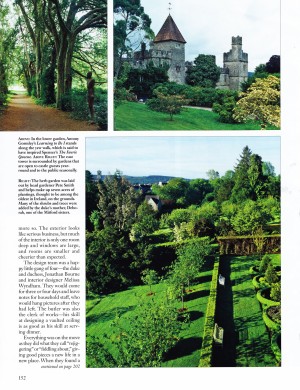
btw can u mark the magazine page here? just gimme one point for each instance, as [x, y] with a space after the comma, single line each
[149, 199]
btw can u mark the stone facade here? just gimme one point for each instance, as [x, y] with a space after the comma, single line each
[235, 68]
[168, 48]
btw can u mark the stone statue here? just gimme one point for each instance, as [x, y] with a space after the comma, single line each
[91, 95]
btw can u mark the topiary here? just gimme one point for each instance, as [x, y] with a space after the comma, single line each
[264, 263]
[271, 275]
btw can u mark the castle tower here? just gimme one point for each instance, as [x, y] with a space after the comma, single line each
[236, 61]
[169, 48]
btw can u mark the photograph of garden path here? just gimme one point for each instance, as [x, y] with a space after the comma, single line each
[174, 68]
[53, 65]
[183, 260]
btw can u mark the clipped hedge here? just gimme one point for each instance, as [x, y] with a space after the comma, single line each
[275, 345]
[272, 325]
[254, 270]
[244, 245]
[207, 344]
[256, 282]
[265, 301]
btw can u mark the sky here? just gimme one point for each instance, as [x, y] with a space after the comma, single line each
[189, 157]
[208, 26]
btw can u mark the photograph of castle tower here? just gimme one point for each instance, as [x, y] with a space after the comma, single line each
[174, 68]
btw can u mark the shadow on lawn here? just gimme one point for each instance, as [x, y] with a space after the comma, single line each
[184, 348]
[203, 279]
[195, 315]
[256, 352]
[108, 315]
[195, 295]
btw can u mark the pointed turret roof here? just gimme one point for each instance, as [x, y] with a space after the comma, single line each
[169, 32]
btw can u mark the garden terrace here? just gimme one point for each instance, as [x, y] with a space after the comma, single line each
[246, 341]
[101, 311]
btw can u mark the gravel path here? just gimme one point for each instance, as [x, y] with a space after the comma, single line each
[23, 114]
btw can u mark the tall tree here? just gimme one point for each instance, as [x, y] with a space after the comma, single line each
[175, 190]
[32, 13]
[118, 202]
[7, 43]
[66, 20]
[204, 72]
[256, 177]
[131, 26]
[273, 65]
[241, 188]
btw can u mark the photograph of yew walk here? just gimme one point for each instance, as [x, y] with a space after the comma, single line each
[183, 264]
[53, 65]
[197, 65]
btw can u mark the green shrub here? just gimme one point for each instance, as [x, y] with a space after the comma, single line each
[275, 293]
[271, 275]
[255, 282]
[101, 114]
[254, 270]
[66, 102]
[168, 104]
[203, 97]
[122, 94]
[266, 301]
[264, 263]
[272, 325]
[3, 98]
[77, 104]
[276, 345]
[225, 109]
[172, 88]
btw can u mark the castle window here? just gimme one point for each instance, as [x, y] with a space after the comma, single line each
[178, 68]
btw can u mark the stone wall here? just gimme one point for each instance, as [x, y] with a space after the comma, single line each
[174, 53]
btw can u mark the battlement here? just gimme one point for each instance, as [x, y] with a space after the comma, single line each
[237, 40]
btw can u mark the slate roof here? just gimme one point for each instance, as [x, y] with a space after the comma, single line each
[169, 32]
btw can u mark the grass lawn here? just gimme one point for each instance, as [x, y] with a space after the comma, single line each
[136, 116]
[186, 353]
[248, 343]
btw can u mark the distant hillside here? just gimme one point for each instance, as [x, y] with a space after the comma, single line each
[151, 179]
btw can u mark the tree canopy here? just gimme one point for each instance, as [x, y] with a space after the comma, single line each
[261, 102]
[204, 72]
[131, 26]
[59, 42]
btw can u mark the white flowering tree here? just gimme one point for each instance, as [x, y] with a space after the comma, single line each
[261, 102]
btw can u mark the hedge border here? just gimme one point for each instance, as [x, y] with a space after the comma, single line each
[264, 301]
[272, 325]
[207, 344]
[254, 270]
[275, 347]
[256, 282]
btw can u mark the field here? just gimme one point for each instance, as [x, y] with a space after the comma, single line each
[136, 116]
[246, 340]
